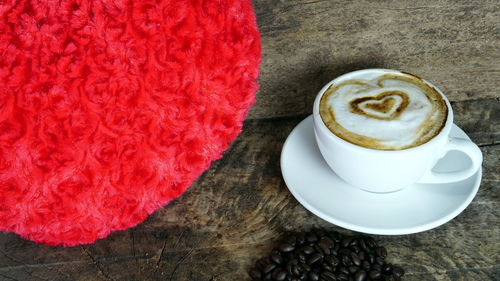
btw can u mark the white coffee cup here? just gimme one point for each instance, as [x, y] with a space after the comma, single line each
[384, 171]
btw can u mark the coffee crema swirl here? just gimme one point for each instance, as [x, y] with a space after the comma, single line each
[383, 110]
[386, 105]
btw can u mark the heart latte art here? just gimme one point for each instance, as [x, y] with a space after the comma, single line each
[383, 110]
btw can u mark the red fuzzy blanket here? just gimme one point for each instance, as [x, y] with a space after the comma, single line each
[109, 109]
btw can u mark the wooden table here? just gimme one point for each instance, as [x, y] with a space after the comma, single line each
[238, 208]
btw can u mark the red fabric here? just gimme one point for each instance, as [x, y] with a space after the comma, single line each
[109, 109]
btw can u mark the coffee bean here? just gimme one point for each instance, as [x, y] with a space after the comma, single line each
[328, 276]
[362, 244]
[335, 261]
[292, 239]
[295, 270]
[381, 252]
[286, 247]
[370, 242]
[255, 273]
[288, 269]
[313, 276]
[365, 265]
[346, 241]
[355, 249]
[387, 268]
[278, 274]
[360, 276]
[398, 271]
[379, 260]
[324, 248]
[302, 258]
[374, 274]
[377, 267]
[345, 252]
[327, 241]
[318, 255]
[327, 267]
[317, 248]
[306, 267]
[361, 255]
[333, 252]
[301, 238]
[344, 270]
[355, 259]
[314, 258]
[307, 250]
[276, 258]
[371, 258]
[354, 242]
[353, 269]
[342, 277]
[336, 236]
[311, 237]
[331, 260]
[269, 267]
[346, 261]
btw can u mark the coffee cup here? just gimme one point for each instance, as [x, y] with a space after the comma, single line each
[382, 130]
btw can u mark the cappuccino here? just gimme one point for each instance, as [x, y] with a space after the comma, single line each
[382, 109]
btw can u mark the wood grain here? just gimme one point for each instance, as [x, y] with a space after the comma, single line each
[235, 212]
[306, 43]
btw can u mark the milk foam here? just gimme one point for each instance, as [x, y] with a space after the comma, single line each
[381, 110]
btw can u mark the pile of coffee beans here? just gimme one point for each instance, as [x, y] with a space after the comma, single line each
[326, 256]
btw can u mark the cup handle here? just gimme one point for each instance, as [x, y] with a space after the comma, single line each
[465, 146]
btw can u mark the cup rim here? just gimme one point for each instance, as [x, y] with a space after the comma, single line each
[318, 121]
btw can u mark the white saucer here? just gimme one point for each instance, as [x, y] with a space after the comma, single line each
[414, 209]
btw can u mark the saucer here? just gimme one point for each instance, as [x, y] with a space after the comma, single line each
[414, 209]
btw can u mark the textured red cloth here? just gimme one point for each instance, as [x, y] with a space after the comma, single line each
[109, 109]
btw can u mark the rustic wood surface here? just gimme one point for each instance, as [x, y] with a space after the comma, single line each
[235, 212]
[306, 43]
